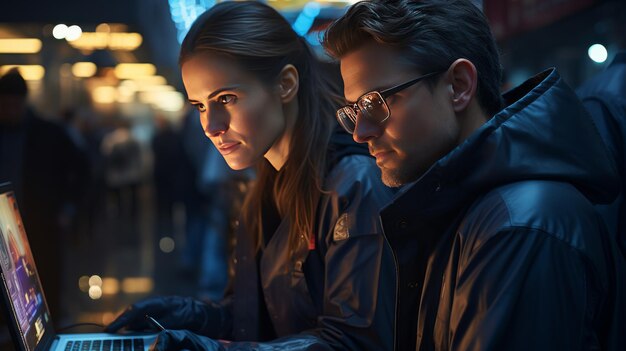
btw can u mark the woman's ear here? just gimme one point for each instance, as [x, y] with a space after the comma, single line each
[463, 83]
[288, 83]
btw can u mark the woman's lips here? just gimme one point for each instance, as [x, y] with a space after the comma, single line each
[227, 148]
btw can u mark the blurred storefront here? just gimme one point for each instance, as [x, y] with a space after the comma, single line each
[579, 37]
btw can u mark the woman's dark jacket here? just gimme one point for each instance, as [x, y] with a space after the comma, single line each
[337, 296]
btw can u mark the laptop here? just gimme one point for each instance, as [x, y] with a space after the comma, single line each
[27, 311]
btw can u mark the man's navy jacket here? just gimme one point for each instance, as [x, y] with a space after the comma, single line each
[498, 244]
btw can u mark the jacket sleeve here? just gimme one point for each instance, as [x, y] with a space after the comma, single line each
[524, 290]
[359, 295]
[218, 318]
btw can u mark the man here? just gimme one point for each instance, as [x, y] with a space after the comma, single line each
[604, 96]
[495, 235]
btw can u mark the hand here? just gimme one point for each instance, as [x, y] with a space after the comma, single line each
[172, 312]
[176, 340]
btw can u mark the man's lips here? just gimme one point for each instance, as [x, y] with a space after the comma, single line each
[380, 155]
[376, 152]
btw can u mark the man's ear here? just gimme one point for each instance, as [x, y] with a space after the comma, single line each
[288, 83]
[463, 80]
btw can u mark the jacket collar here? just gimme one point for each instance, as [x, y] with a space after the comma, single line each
[543, 134]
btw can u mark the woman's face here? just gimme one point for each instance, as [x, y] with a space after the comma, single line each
[242, 116]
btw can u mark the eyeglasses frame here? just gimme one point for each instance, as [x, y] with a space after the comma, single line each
[384, 94]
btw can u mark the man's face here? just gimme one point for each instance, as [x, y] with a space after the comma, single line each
[422, 127]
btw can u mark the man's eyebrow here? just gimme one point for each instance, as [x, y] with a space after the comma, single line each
[378, 89]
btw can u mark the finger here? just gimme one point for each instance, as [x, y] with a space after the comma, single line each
[162, 341]
[121, 321]
[153, 346]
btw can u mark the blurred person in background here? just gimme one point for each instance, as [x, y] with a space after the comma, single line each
[312, 268]
[604, 96]
[49, 173]
[124, 172]
[170, 173]
[79, 228]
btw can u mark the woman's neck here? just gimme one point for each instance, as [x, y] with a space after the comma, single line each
[278, 154]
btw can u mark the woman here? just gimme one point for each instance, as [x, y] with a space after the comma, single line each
[313, 270]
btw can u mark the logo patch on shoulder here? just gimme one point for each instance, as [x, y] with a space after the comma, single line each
[341, 228]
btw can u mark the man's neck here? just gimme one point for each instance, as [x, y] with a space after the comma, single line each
[474, 118]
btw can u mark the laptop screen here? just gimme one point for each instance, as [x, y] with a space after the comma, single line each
[21, 281]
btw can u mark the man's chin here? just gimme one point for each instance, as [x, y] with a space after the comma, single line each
[392, 178]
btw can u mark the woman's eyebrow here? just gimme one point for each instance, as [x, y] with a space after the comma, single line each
[216, 92]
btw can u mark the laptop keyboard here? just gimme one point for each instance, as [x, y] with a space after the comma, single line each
[106, 345]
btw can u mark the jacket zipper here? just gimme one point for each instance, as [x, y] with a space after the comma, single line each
[395, 267]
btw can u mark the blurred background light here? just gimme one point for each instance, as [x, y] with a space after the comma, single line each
[91, 41]
[95, 292]
[104, 94]
[28, 72]
[84, 69]
[95, 280]
[166, 244]
[125, 41]
[83, 283]
[59, 31]
[311, 9]
[171, 101]
[146, 81]
[125, 94]
[137, 285]
[110, 286]
[20, 46]
[305, 19]
[598, 53]
[184, 12]
[134, 70]
[103, 27]
[73, 33]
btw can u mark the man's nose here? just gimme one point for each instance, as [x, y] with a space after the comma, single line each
[365, 130]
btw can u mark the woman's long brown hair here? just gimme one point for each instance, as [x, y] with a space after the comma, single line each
[258, 38]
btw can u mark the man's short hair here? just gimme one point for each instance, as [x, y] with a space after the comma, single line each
[12, 83]
[431, 33]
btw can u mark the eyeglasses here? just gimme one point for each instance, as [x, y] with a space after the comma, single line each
[372, 105]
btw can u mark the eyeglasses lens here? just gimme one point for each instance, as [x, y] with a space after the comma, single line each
[373, 107]
[347, 118]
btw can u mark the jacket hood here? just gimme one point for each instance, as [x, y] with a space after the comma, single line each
[543, 134]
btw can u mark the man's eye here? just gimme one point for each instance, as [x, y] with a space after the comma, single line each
[391, 99]
[227, 99]
[200, 107]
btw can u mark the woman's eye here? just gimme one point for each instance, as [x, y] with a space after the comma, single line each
[200, 107]
[227, 99]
